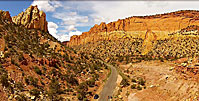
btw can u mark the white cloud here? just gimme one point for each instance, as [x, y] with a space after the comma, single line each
[70, 18]
[52, 28]
[75, 33]
[71, 28]
[68, 28]
[112, 11]
[47, 5]
[66, 37]
[76, 14]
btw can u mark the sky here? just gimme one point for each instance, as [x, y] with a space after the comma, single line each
[67, 18]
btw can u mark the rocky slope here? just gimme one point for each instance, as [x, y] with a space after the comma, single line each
[163, 40]
[138, 26]
[36, 66]
[32, 18]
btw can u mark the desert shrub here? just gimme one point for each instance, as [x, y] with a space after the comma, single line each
[71, 79]
[91, 83]
[56, 65]
[133, 80]
[27, 81]
[80, 97]
[21, 97]
[82, 89]
[133, 86]
[141, 81]
[139, 87]
[20, 58]
[35, 92]
[55, 87]
[96, 76]
[32, 81]
[19, 86]
[44, 68]
[120, 58]
[53, 71]
[5, 49]
[124, 82]
[4, 80]
[6, 55]
[12, 61]
[37, 70]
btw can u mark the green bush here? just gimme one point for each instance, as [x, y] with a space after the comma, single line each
[21, 97]
[20, 58]
[133, 80]
[1, 65]
[44, 68]
[82, 90]
[141, 81]
[19, 85]
[32, 81]
[124, 83]
[139, 87]
[35, 92]
[133, 86]
[80, 97]
[91, 83]
[12, 61]
[6, 55]
[4, 80]
[55, 87]
[37, 70]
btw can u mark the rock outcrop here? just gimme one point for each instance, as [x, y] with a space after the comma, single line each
[138, 26]
[32, 18]
[5, 15]
[147, 44]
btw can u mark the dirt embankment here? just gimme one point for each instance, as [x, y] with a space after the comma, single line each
[162, 83]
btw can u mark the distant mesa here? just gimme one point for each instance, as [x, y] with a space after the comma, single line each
[32, 18]
[137, 26]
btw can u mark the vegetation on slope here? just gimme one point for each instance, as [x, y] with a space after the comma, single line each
[34, 65]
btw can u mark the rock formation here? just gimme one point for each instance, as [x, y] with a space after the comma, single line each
[5, 15]
[32, 18]
[137, 26]
[147, 44]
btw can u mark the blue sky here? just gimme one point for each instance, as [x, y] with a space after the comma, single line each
[67, 18]
[14, 7]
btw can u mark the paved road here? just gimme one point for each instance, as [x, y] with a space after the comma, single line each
[110, 84]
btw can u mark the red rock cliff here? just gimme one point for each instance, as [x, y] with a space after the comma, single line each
[160, 25]
[32, 18]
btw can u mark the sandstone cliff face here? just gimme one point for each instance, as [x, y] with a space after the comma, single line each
[32, 18]
[160, 25]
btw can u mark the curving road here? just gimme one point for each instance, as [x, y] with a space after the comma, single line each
[110, 84]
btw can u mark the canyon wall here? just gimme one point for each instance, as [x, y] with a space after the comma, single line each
[158, 26]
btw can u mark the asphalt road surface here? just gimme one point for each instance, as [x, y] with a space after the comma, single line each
[110, 84]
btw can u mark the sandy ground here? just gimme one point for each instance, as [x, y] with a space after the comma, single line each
[162, 84]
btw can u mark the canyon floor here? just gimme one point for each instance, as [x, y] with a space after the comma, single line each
[163, 83]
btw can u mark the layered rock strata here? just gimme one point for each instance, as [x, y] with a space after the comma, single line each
[159, 26]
